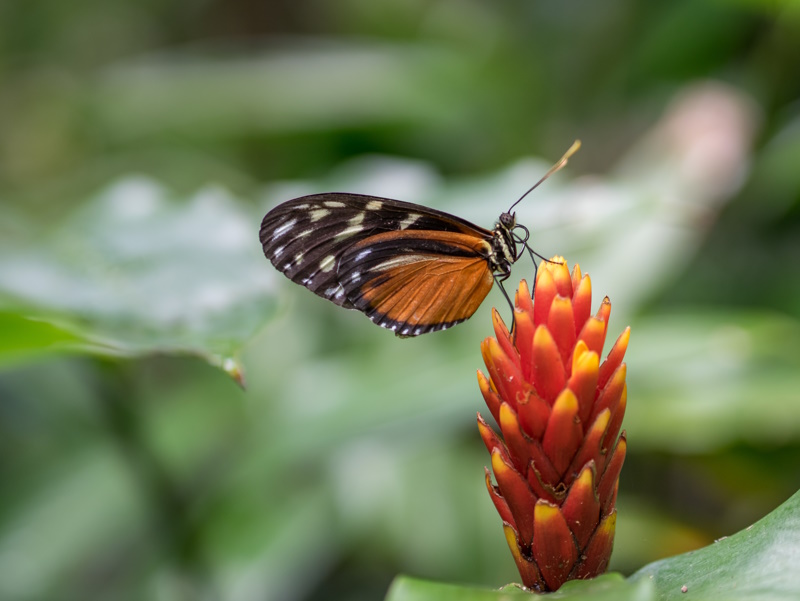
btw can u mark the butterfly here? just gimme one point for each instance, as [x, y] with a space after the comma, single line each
[409, 268]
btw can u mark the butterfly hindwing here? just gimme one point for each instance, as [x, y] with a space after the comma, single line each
[307, 237]
[413, 282]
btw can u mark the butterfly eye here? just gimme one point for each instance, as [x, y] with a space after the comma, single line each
[508, 220]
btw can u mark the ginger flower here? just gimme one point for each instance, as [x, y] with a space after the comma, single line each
[559, 411]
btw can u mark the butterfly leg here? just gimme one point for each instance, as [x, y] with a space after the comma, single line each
[499, 279]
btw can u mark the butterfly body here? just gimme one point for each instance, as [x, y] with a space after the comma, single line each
[409, 268]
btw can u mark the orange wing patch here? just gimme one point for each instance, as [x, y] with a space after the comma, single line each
[414, 282]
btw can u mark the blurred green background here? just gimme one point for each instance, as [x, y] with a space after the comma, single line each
[142, 141]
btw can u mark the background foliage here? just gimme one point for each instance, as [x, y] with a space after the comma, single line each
[142, 141]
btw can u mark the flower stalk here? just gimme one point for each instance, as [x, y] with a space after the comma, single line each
[559, 411]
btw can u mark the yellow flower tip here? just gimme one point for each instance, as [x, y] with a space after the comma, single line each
[508, 418]
[483, 382]
[586, 363]
[566, 403]
[511, 539]
[585, 479]
[601, 421]
[499, 466]
[579, 351]
[544, 511]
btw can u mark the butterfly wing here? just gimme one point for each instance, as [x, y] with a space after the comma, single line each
[307, 237]
[414, 282]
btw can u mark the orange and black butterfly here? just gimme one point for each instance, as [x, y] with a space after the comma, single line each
[410, 269]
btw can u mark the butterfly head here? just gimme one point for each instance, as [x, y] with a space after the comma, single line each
[508, 220]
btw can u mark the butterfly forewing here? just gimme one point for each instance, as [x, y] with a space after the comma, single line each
[414, 282]
[306, 238]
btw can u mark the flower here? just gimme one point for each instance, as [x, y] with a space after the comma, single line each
[559, 411]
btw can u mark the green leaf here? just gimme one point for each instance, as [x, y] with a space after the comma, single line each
[134, 271]
[758, 563]
[609, 586]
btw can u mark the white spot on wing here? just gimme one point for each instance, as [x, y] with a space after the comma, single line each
[301, 206]
[334, 204]
[356, 276]
[298, 258]
[304, 234]
[319, 214]
[357, 219]
[363, 254]
[409, 220]
[278, 251]
[327, 263]
[374, 205]
[348, 232]
[280, 231]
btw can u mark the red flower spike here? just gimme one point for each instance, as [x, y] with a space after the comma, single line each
[593, 334]
[490, 396]
[590, 449]
[616, 420]
[557, 266]
[518, 447]
[547, 368]
[610, 477]
[583, 382]
[503, 337]
[561, 324]
[499, 502]
[564, 432]
[527, 568]
[610, 396]
[534, 413]
[517, 494]
[544, 293]
[576, 277]
[605, 310]
[614, 358]
[598, 551]
[540, 487]
[490, 439]
[582, 302]
[503, 372]
[560, 410]
[524, 300]
[546, 472]
[553, 546]
[581, 508]
[523, 340]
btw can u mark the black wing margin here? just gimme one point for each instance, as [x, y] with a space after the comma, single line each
[305, 238]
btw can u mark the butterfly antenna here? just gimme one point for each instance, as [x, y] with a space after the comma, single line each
[561, 162]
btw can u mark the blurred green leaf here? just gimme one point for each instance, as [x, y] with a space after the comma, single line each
[135, 271]
[610, 587]
[23, 337]
[758, 563]
[705, 379]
